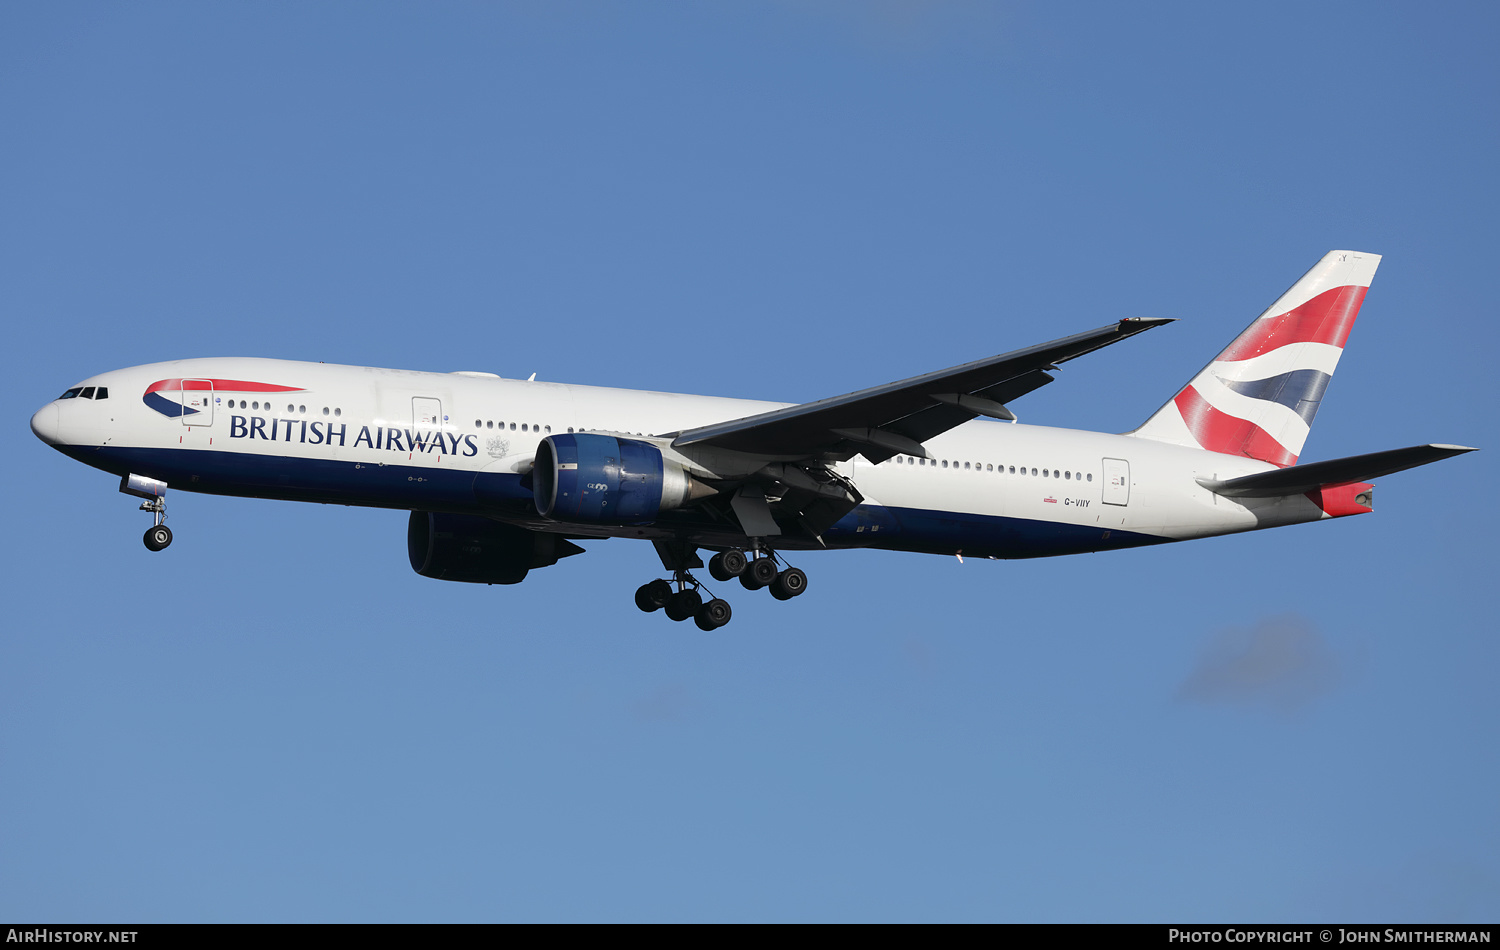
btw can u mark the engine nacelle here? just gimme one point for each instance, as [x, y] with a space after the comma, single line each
[600, 479]
[478, 550]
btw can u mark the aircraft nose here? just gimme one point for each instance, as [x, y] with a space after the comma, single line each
[45, 424]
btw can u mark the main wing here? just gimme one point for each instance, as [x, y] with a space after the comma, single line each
[895, 419]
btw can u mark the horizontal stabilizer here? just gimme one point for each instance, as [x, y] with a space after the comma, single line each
[1356, 468]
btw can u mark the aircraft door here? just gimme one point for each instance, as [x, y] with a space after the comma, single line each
[197, 399]
[426, 413]
[1116, 489]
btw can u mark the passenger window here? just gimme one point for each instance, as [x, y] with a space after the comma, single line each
[1091, 476]
[512, 427]
[1067, 474]
[302, 410]
[989, 468]
[338, 412]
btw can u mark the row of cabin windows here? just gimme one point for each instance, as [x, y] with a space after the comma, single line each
[290, 408]
[525, 427]
[989, 467]
[102, 392]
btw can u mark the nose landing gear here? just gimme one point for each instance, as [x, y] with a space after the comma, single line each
[158, 536]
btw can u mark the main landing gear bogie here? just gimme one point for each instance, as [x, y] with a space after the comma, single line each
[788, 584]
[684, 603]
[760, 572]
[727, 565]
[687, 598]
[653, 596]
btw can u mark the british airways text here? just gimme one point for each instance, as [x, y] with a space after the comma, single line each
[317, 432]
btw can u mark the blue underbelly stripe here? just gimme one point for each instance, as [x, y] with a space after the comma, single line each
[410, 487]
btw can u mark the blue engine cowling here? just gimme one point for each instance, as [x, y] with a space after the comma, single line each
[599, 479]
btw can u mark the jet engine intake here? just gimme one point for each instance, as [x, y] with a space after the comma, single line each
[600, 479]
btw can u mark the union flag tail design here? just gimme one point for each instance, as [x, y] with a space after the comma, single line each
[1259, 396]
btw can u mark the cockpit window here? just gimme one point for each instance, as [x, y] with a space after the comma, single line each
[88, 393]
[72, 393]
[103, 393]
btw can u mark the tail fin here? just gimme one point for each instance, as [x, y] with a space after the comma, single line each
[1259, 396]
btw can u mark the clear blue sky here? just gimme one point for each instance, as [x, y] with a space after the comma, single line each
[277, 720]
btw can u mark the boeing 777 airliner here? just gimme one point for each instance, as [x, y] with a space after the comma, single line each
[502, 476]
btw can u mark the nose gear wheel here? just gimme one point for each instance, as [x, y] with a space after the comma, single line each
[158, 537]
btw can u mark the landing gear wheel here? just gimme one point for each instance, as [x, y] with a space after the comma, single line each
[760, 573]
[684, 604]
[727, 565]
[158, 537]
[713, 615]
[788, 584]
[653, 596]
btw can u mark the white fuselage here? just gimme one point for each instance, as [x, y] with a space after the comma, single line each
[464, 443]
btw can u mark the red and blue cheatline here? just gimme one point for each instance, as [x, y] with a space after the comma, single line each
[176, 410]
